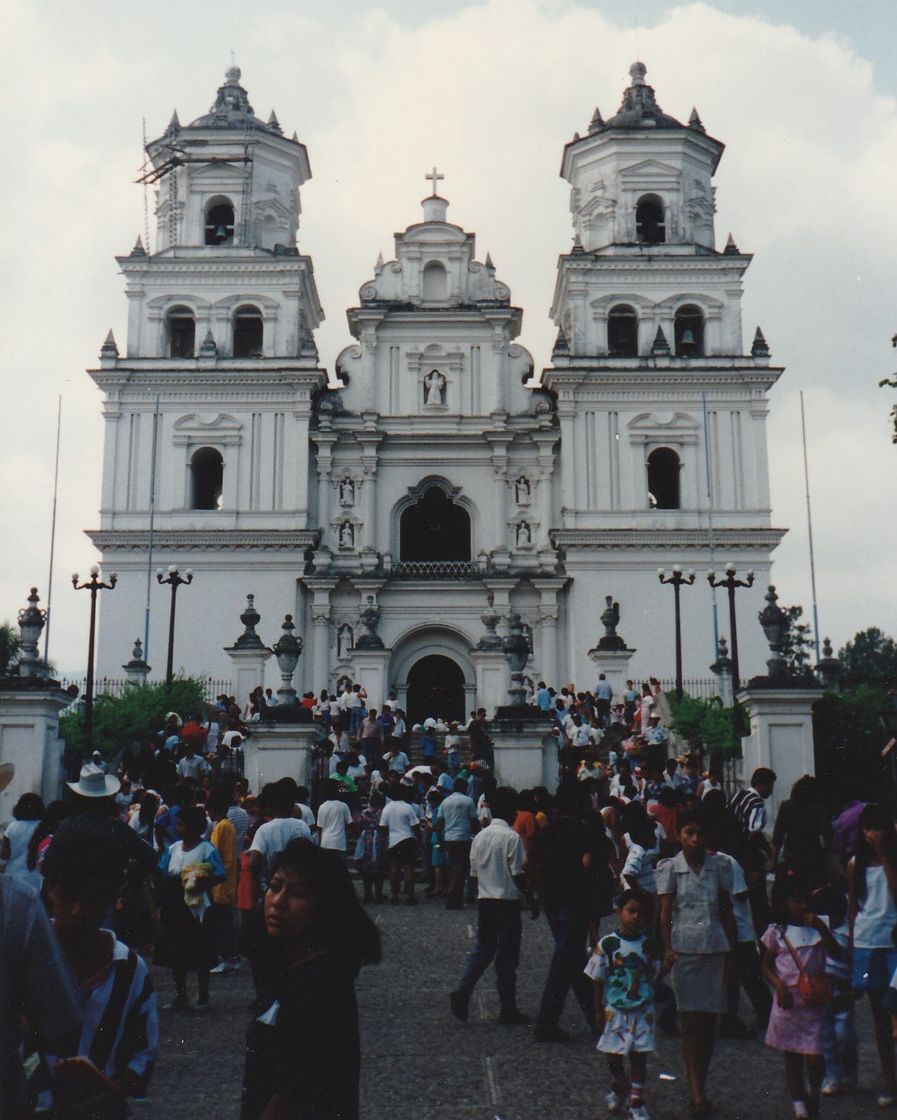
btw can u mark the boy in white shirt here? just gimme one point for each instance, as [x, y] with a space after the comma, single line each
[334, 817]
[400, 824]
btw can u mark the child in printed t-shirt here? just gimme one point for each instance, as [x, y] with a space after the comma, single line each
[839, 1034]
[623, 968]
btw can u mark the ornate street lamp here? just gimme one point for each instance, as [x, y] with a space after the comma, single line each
[730, 583]
[677, 579]
[174, 579]
[93, 585]
[287, 650]
[516, 651]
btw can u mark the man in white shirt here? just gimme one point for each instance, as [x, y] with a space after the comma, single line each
[400, 824]
[192, 765]
[274, 835]
[333, 819]
[497, 859]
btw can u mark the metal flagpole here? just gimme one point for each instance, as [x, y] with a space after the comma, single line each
[710, 524]
[803, 428]
[152, 518]
[53, 530]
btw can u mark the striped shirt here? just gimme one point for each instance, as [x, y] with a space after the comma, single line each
[749, 810]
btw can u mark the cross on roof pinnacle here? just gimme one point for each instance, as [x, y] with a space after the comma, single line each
[434, 176]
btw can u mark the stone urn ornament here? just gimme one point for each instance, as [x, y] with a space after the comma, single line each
[610, 619]
[370, 620]
[516, 651]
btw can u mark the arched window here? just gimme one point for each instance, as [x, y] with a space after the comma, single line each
[663, 478]
[434, 528]
[622, 332]
[181, 332]
[435, 282]
[207, 470]
[650, 227]
[689, 332]
[248, 332]
[219, 222]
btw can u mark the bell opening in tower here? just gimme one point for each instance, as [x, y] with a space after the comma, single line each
[650, 226]
[663, 478]
[435, 528]
[181, 333]
[248, 333]
[622, 332]
[207, 470]
[220, 223]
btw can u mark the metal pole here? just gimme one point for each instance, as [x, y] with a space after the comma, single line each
[169, 669]
[710, 522]
[676, 587]
[736, 679]
[803, 428]
[53, 531]
[152, 518]
[88, 699]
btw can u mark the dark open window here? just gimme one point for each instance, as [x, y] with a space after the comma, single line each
[435, 528]
[689, 332]
[622, 332]
[248, 332]
[207, 470]
[650, 227]
[220, 224]
[181, 333]
[663, 478]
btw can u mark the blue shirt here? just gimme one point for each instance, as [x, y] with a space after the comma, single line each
[543, 700]
[459, 815]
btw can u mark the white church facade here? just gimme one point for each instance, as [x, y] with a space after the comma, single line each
[438, 479]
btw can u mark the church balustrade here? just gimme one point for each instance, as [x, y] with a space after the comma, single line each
[438, 569]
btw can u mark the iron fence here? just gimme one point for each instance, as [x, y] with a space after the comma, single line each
[213, 687]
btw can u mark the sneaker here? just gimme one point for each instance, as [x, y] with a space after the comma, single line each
[514, 1018]
[638, 1112]
[221, 969]
[616, 1102]
[886, 1101]
[460, 1005]
[830, 1087]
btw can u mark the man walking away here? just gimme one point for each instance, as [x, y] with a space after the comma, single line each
[456, 823]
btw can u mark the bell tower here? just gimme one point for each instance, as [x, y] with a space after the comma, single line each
[662, 412]
[207, 411]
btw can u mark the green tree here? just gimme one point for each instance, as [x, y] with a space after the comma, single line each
[870, 656]
[891, 382]
[798, 647]
[9, 647]
[708, 724]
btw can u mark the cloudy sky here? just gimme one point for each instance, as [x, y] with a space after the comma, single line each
[801, 93]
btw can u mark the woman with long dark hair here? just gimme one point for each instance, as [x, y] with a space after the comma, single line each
[303, 1058]
[803, 834]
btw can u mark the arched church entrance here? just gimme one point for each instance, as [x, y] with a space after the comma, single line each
[435, 688]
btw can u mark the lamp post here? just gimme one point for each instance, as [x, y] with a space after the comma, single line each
[677, 579]
[93, 585]
[175, 580]
[730, 583]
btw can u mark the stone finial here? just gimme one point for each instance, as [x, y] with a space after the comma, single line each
[489, 265]
[490, 619]
[109, 349]
[775, 624]
[138, 250]
[274, 123]
[694, 121]
[516, 651]
[660, 347]
[731, 249]
[369, 617]
[174, 125]
[577, 245]
[610, 619]
[597, 122]
[295, 137]
[576, 138]
[31, 624]
[637, 72]
[136, 670]
[209, 348]
[827, 650]
[250, 618]
[378, 267]
[829, 669]
[759, 347]
[287, 650]
[722, 670]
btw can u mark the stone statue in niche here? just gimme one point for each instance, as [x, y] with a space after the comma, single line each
[344, 641]
[346, 492]
[434, 383]
[522, 491]
[347, 535]
[524, 535]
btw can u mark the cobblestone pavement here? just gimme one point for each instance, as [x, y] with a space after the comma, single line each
[419, 1062]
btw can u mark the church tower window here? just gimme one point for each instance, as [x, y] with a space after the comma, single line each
[248, 333]
[689, 332]
[181, 333]
[435, 528]
[650, 226]
[663, 478]
[622, 332]
[207, 470]
[435, 282]
[219, 222]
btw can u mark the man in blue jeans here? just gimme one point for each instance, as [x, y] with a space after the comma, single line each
[497, 859]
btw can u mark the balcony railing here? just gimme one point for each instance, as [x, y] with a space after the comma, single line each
[437, 569]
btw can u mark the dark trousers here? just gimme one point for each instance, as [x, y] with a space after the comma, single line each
[570, 929]
[221, 920]
[602, 711]
[499, 933]
[747, 976]
[459, 866]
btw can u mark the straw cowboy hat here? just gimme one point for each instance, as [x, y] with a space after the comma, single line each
[92, 782]
[7, 773]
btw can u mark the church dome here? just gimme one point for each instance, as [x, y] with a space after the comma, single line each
[232, 109]
[639, 108]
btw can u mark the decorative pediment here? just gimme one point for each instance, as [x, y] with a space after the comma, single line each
[651, 172]
[268, 306]
[161, 304]
[216, 429]
[668, 428]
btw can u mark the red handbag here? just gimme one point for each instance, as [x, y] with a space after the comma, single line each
[815, 991]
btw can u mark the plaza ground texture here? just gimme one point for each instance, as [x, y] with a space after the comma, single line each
[419, 1062]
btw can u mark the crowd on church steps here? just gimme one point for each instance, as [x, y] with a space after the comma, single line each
[667, 897]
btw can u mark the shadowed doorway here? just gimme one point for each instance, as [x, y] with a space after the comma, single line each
[435, 688]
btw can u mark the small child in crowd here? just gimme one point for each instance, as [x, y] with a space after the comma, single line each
[623, 968]
[839, 1034]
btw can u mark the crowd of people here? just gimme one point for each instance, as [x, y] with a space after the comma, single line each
[667, 897]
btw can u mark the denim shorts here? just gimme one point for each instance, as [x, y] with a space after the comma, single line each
[873, 969]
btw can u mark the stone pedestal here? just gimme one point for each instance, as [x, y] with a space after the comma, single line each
[370, 671]
[275, 751]
[781, 736]
[525, 753]
[615, 666]
[249, 670]
[491, 670]
[29, 739]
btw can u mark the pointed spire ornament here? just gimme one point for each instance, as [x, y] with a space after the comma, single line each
[209, 348]
[694, 121]
[295, 137]
[576, 137]
[174, 125]
[138, 250]
[378, 267]
[577, 245]
[489, 263]
[597, 121]
[760, 347]
[274, 123]
[660, 346]
[109, 349]
[731, 249]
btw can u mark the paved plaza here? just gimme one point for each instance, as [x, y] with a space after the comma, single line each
[418, 1062]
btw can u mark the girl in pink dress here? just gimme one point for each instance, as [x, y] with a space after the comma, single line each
[798, 941]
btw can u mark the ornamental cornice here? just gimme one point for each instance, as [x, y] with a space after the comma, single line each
[665, 540]
[207, 540]
[214, 269]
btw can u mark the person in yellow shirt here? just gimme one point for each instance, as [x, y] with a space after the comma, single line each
[224, 896]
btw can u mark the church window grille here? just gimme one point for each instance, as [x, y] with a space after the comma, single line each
[181, 333]
[435, 282]
[663, 478]
[689, 332]
[650, 224]
[622, 332]
[219, 223]
[434, 529]
[207, 471]
[248, 332]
